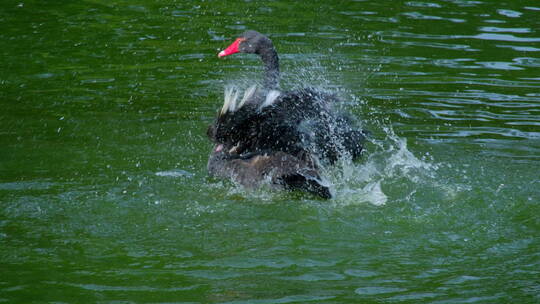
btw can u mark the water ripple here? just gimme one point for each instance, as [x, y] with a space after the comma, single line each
[502, 37]
[318, 276]
[378, 290]
[423, 4]
[481, 36]
[288, 299]
[284, 262]
[494, 29]
[509, 13]
[520, 48]
[420, 16]
[140, 288]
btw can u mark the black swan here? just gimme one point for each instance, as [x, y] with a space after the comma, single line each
[282, 137]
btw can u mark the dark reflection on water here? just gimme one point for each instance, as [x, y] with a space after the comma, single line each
[103, 188]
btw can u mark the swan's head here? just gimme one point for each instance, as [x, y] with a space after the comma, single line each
[251, 42]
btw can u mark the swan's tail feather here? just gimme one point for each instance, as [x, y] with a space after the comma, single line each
[247, 95]
[229, 103]
[271, 97]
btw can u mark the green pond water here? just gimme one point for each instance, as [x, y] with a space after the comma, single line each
[104, 194]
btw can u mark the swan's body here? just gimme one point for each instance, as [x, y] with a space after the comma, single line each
[300, 122]
[278, 136]
[277, 169]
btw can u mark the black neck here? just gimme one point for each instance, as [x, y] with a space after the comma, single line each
[271, 68]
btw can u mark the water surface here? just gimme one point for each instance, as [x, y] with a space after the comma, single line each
[103, 186]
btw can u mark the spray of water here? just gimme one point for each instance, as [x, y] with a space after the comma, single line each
[386, 162]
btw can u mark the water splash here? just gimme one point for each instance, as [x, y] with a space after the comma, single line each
[389, 162]
[174, 173]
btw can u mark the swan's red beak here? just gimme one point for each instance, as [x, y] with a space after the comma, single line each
[231, 49]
